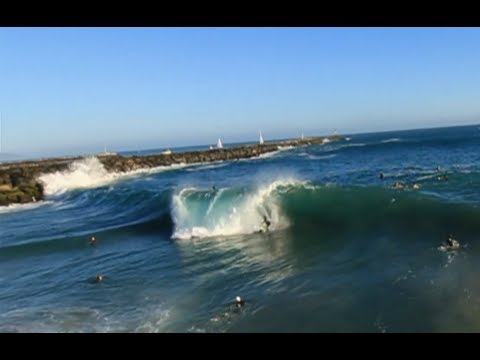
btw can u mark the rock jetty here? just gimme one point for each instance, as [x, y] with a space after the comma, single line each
[19, 180]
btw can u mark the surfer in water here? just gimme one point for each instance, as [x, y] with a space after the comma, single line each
[265, 223]
[451, 243]
[398, 185]
[239, 302]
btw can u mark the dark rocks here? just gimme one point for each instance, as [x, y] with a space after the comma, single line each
[19, 184]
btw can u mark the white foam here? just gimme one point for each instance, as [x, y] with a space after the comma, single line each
[321, 157]
[86, 173]
[90, 173]
[284, 148]
[22, 207]
[208, 167]
[390, 140]
[269, 154]
[242, 217]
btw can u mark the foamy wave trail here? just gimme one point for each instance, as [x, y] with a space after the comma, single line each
[390, 140]
[321, 157]
[22, 207]
[229, 211]
[208, 167]
[85, 173]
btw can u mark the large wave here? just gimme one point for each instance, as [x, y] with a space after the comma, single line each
[229, 211]
[296, 206]
[322, 209]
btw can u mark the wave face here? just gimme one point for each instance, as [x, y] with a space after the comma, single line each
[231, 211]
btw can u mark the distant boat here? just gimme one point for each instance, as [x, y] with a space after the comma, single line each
[219, 144]
[303, 137]
[261, 142]
[167, 152]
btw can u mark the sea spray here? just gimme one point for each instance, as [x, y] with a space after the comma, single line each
[90, 173]
[86, 173]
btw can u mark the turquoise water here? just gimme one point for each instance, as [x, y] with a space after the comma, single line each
[345, 251]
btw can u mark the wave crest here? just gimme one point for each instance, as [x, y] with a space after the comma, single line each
[228, 211]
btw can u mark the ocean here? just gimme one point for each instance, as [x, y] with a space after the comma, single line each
[344, 252]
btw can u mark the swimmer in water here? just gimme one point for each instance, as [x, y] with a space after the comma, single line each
[416, 186]
[239, 302]
[451, 243]
[99, 278]
[381, 176]
[398, 185]
[93, 241]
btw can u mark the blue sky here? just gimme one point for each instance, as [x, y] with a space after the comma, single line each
[72, 90]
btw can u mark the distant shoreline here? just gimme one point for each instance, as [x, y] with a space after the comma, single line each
[19, 180]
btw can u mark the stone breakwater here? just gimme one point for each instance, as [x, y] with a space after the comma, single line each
[19, 180]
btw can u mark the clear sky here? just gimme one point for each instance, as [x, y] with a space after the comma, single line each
[72, 90]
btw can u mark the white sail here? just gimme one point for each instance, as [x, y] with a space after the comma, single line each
[303, 136]
[219, 144]
[261, 139]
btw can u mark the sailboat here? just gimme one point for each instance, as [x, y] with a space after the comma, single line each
[219, 144]
[261, 142]
[303, 138]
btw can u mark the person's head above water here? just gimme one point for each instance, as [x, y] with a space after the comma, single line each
[99, 278]
[239, 302]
